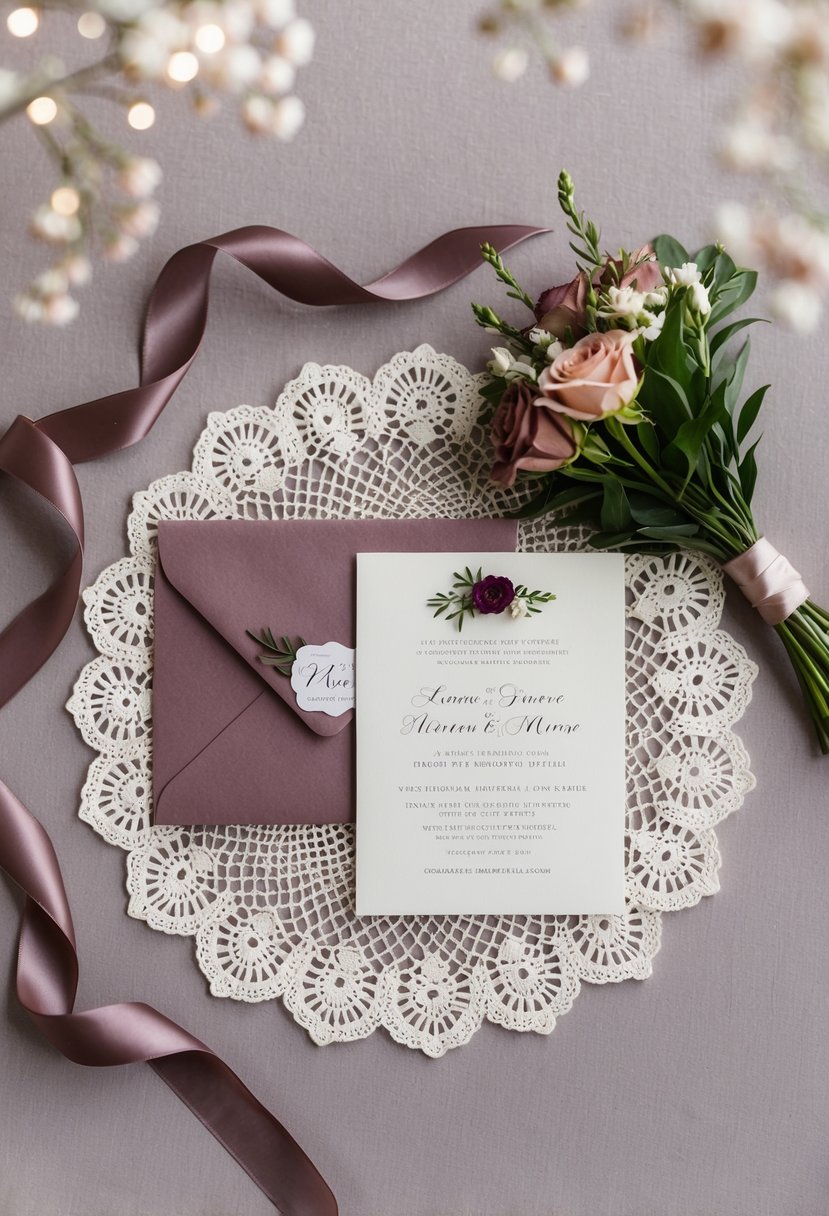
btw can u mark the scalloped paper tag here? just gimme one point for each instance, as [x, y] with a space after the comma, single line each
[323, 678]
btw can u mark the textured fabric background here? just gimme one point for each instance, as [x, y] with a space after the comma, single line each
[701, 1092]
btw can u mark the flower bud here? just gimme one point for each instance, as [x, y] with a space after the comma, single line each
[697, 298]
[501, 361]
[684, 275]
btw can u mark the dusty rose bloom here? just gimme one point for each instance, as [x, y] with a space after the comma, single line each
[528, 436]
[563, 307]
[596, 377]
[647, 274]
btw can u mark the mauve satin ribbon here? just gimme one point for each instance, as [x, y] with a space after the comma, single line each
[768, 580]
[41, 455]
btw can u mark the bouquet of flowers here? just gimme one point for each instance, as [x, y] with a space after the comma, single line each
[622, 400]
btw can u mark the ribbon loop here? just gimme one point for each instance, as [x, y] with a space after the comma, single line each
[35, 460]
[768, 580]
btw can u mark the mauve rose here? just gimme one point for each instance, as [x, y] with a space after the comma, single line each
[596, 377]
[493, 594]
[647, 275]
[563, 307]
[527, 436]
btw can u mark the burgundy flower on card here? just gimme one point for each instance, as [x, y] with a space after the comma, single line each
[493, 594]
[487, 595]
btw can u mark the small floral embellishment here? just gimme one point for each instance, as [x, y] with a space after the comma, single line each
[474, 594]
[493, 593]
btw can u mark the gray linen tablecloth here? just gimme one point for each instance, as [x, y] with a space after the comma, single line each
[701, 1092]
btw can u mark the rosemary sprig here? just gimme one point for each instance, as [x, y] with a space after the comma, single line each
[533, 598]
[282, 655]
[458, 604]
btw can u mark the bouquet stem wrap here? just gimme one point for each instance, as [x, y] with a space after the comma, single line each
[769, 581]
[776, 590]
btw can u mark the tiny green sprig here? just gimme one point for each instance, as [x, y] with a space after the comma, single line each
[489, 320]
[281, 655]
[532, 599]
[458, 603]
[584, 230]
[514, 289]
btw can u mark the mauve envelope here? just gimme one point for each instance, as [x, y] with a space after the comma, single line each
[230, 744]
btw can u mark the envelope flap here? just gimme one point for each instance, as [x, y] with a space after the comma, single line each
[240, 576]
[297, 578]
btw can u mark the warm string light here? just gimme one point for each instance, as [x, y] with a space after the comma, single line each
[22, 22]
[91, 25]
[65, 200]
[182, 67]
[141, 116]
[42, 110]
[209, 39]
[249, 49]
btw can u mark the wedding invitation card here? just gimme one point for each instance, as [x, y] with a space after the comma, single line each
[490, 720]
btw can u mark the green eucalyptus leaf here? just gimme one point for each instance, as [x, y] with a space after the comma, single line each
[648, 442]
[717, 409]
[580, 472]
[679, 531]
[748, 472]
[668, 251]
[668, 351]
[705, 257]
[615, 513]
[609, 540]
[734, 382]
[650, 512]
[494, 391]
[725, 270]
[666, 402]
[749, 411]
[552, 500]
[733, 294]
[718, 340]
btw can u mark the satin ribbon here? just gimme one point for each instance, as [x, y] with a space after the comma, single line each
[41, 455]
[768, 580]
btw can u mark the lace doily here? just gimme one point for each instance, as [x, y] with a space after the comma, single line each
[271, 907]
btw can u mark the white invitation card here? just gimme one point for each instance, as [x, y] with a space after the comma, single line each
[490, 757]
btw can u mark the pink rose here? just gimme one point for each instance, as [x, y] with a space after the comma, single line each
[596, 377]
[526, 436]
[563, 307]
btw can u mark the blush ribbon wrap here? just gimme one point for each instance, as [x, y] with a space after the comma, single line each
[768, 580]
[41, 456]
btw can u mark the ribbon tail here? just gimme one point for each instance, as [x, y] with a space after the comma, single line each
[47, 975]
